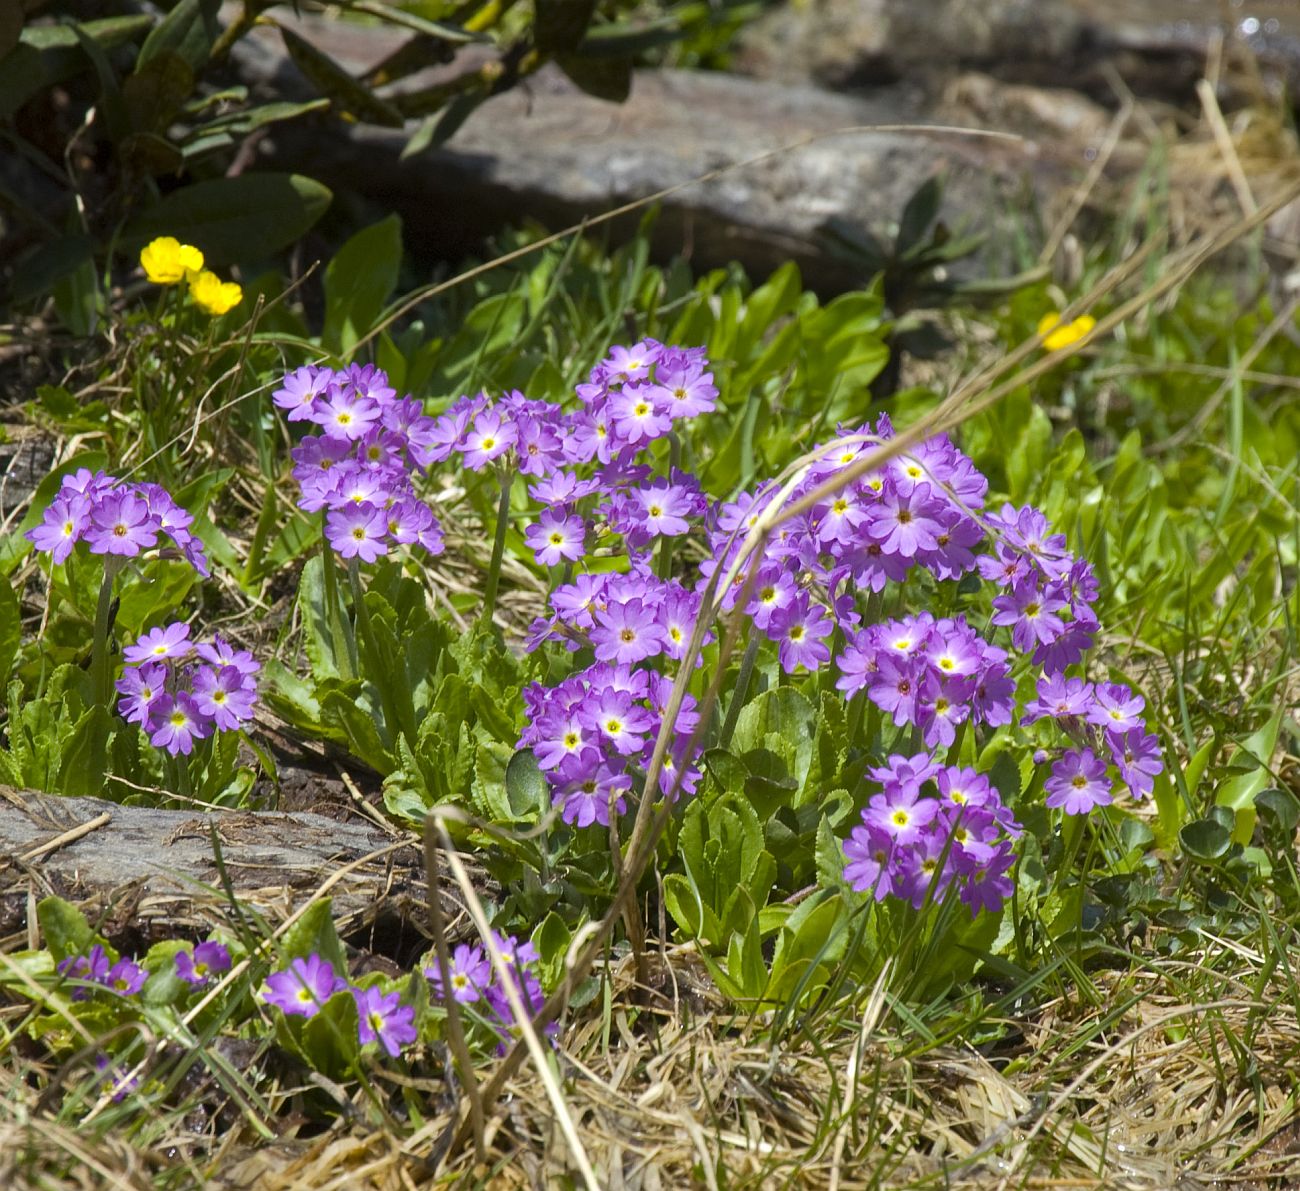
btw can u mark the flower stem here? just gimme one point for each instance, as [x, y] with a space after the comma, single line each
[741, 690]
[99, 670]
[341, 634]
[498, 549]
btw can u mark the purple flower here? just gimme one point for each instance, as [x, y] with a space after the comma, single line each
[867, 853]
[1033, 613]
[1060, 698]
[636, 417]
[1078, 783]
[207, 960]
[618, 719]
[141, 687]
[300, 389]
[303, 987]
[586, 798]
[802, 628]
[175, 723]
[121, 523]
[685, 391]
[626, 633]
[345, 413]
[470, 974]
[221, 694]
[382, 1018]
[1116, 708]
[1137, 756]
[357, 531]
[555, 537]
[906, 525]
[220, 652]
[126, 978]
[92, 967]
[900, 812]
[161, 644]
[490, 438]
[114, 1081]
[63, 524]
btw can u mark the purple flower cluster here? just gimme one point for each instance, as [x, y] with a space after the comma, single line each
[473, 981]
[929, 674]
[932, 827]
[306, 985]
[630, 399]
[919, 512]
[177, 701]
[114, 518]
[124, 977]
[1105, 718]
[597, 727]
[358, 467]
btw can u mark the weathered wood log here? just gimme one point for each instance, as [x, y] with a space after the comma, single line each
[155, 871]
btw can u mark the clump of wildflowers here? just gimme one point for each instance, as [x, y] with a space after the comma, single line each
[123, 976]
[358, 467]
[199, 966]
[179, 691]
[306, 985]
[116, 518]
[474, 982]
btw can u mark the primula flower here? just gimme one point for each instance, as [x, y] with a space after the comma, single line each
[357, 531]
[297, 396]
[114, 1081]
[1078, 783]
[1116, 708]
[801, 629]
[207, 960]
[554, 538]
[126, 978]
[64, 522]
[1059, 336]
[626, 633]
[92, 967]
[345, 413]
[166, 260]
[1137, 756]
[304, 987]
[382, 1018]
[1060, 698]
[121, 523]
[488, 439]
[470, 974]
[161, 644]
[222, 694]
[212, 295]
[140, 688]
[175, 723]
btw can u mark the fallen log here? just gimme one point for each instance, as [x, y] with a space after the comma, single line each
[155, 872]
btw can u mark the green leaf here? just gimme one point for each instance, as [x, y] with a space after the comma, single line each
[347, 94]
[85, 756]
[189, 32]
[605, 78]
[526, 786]
[1238, 793]
[560, 25]
[918, 214]
[314, 933]
[1206, 840]
[65, 928]
[330, 1039]
[11, 631]
[1279, 810]
[234, 219]
[153, 94]
[358, 282]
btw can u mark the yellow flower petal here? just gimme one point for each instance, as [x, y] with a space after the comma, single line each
[1064, 336]
[212, 294]
[166, 260]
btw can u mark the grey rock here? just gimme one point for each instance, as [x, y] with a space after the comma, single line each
[547, 151]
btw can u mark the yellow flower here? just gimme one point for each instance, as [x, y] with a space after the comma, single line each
[166, 260]
[214, 295]
[1064, 336]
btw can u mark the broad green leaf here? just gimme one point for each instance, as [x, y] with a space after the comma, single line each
[65, 928]
[1238, 793]
[1206, 840]
[560, 25]
[347, 94]
[526, 786]
[314, 933]
[358, 282]
[234, 219]
[11, 628]
[605, 78]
